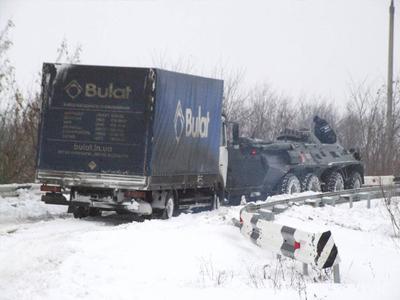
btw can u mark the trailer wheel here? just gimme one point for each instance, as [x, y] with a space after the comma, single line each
[94, 212]
[80, 212]
[170, 208]
[334, 182]
[290, 184]
[310, 183]
[354, 181]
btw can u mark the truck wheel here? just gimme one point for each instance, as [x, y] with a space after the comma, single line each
[170, 208]
[94, 212]
[290, 184]
[310, 183]
[80, 212]
[354, 181]
[334, 182]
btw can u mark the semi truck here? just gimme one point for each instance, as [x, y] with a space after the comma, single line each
[130, 140]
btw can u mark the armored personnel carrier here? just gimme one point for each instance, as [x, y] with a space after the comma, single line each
[297, 161]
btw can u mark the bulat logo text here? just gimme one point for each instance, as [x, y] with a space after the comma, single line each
[92, 90]
[197, 126]
[74, 89]
[193, 126]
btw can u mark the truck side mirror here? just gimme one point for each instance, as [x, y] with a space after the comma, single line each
[235, 133]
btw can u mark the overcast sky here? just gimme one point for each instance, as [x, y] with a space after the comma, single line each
[313, 47]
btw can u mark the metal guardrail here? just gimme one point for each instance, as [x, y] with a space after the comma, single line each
[333, 198]
[12, 190]
[379, 180]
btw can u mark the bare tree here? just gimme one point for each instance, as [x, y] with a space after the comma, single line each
[65, 54]
[19, 119]
[181, 64]
[307, 109]
[235, 96]
[7, 78]
[262, 106]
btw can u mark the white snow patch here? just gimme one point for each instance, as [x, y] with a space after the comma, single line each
[192, 256]
[27, 207]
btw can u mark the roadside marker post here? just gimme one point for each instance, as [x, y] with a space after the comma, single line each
[317, 249]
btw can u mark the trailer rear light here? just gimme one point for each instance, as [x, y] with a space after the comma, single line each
[253, 152]
[135, 194]
[296, 245]
[50, 188]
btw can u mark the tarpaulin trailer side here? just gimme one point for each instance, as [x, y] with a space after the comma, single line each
[186, 129]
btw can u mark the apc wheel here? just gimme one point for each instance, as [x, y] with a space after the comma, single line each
[290, 184]
[354, 181]
[334, 182]
[310, 183]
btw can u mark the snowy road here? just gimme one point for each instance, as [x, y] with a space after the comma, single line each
[46, 254]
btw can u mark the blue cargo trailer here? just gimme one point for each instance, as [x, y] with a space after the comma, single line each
[138, 140]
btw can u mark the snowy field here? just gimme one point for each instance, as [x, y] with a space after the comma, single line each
[46, 254]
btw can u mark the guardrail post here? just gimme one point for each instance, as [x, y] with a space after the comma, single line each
[351, 201]
[336, 274]
[331, 200]
[305, 269]
[266, 214]
[277, 209]
[310, 248]
[326, 200]
[389, 193]
[314, 202]
[369, 201]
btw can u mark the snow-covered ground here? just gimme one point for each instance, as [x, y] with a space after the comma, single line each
[46, 254]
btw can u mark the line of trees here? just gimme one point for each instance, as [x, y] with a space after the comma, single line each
[361, 124]
[261, 111]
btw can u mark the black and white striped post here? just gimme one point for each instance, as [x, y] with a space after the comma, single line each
[317, 249]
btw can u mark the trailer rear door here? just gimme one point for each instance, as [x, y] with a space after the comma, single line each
[93, 119]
